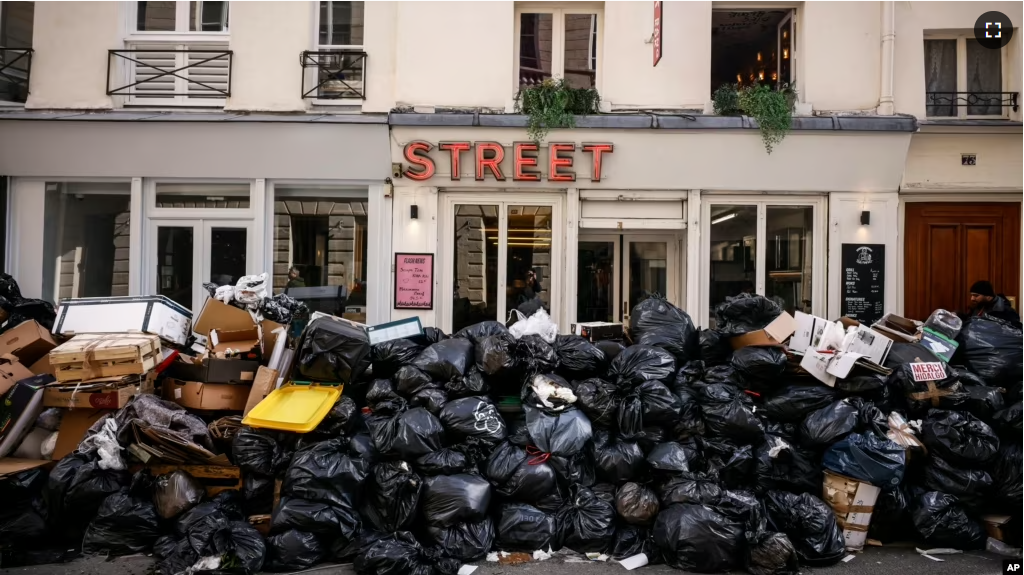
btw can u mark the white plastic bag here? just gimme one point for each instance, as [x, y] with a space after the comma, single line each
[546, 388]
[105, 445]
[537, 324]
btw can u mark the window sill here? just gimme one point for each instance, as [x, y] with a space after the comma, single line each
[179, 38]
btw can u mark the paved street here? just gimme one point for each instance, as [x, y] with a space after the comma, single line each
[874, 561]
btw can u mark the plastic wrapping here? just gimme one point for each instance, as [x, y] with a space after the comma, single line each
[810, 525]
[538, 324]
[868, 457]
[991, 348]
[448, 500]
[728, 412]
[944, 322]
[640, 363]
[941, 521]
[586, 522]
[283, 309]
[332, 351]
[391, 495]
[697, 538]
[658, 323]
[959, 437]
[175, 493]
[745, 313]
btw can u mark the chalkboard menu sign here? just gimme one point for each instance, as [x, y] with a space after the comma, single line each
[863, 296]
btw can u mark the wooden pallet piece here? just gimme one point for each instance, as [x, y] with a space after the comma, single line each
[90, 356]
[215, 479]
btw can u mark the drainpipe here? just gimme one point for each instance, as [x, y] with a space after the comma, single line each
[886, 107]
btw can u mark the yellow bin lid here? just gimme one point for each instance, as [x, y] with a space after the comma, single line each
[296, 408]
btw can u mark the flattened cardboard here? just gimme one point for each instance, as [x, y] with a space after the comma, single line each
[994, 525]
[73, 425]
[206, 396]
[12, 465]
[11, 372]
[775, 333]
[29, 341]
[265, 382]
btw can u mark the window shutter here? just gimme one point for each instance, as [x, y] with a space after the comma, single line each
[208, 79]
[148, 70]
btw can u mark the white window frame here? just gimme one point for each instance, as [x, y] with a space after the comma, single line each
[558, 12]
[181, 33]
[961, 77]
[444, 282]
[15, 71]
[819, 277]
[311, 73]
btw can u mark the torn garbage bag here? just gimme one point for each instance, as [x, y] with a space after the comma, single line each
[942, 522]
[809, 523]
[586, 522]
[636, 504]
[391, 495]
[868, 457]
[658, 323]
[466, 542]
[293, 551]
[333, 351]
[959, 437]
[522, 527]
[448, 500]
[697, 538]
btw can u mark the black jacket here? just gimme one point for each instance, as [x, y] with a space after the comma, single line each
[998, 308]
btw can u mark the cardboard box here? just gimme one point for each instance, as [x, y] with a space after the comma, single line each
[157, 315]
[213, 370]
[775, 333]
[994, 525]
[19, 408]
[236, 343]
[265, 382]
[897, 328]
[42, 366]
[90, 356]
[10, 466]
[73, 425]
[206, 396]
[594, 331]
[221, 316]
[938, 344]
[29, 341]
[11, 372]
[853, 502]
[105, 393]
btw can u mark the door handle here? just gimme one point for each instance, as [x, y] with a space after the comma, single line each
[625, 310]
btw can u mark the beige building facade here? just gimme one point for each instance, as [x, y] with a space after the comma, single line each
[217, 139]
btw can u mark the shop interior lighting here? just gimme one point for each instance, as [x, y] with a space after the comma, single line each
[721, 219]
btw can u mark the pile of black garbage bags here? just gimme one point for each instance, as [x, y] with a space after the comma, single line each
[445, 448]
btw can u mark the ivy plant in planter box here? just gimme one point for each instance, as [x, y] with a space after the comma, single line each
[772, 108]
[554, 104]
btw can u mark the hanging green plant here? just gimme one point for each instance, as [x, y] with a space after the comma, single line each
[772, 108]
[554, 104]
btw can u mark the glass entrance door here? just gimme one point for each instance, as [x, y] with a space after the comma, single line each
[616, 272]
[650, 264]
[185, 254]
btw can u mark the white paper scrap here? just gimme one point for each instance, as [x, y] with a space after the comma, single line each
[634, 562]
[492, 557]
[467, 569]
[849, 558]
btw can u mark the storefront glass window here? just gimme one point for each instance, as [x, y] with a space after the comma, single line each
[733, 257]
[595, 300]
[788, 253]
[648, 270]
[202, 196]
[475, 265]
[528, 255]
[174, 251]
[86, 240]
[320, 248]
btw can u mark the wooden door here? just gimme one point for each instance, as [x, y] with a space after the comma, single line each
[949, 246]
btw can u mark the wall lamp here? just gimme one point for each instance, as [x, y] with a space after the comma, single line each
[414, 212]
[865, 217]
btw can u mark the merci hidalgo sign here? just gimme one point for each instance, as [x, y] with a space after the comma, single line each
[487, 158]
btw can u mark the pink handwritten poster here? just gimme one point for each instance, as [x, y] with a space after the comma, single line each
[414, 281]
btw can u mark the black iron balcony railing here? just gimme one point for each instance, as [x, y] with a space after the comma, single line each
[15, 71]
[977, 103]
[171, 73]
[338, 74]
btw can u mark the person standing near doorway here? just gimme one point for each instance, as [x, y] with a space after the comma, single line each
[985, 301]
[294, 279]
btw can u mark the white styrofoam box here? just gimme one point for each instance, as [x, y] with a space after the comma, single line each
[154, 314]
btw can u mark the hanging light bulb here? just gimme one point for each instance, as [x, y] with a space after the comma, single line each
[758, 56]
[775, 76]
[760, 75]
[785, 53]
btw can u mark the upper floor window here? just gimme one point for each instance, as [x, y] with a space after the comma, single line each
[964, 79]
[558, 43]
[753, 47]
[178, 17]
[16, 21]
[340, 25]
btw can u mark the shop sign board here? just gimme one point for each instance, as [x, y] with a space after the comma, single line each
[657, 31]
[414, 281]
[487, 158]
[863, 293]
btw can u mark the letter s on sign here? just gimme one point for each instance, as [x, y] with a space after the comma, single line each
[416, 154]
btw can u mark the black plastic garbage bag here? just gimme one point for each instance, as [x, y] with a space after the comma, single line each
[959, 437]
[830, 424]
[636, 504]
[640, 363]
[409, 435]
[466, 542]
[390, 356]
[697, 538]
[991, 348]
[325, 472]
[320, 517]
[633, 540]
[473, 383]
[764, 364]
[782, 465]
[446, 360]
[734, 463]
[868, 457]
[391, 495]
[1008, 475]
[616, 460]
[970, 486]
[809, 523]
[381, 392]
[658, 323]
[237, 542]
[690, 373]
[479, 331]
[691, 419]
[410, 380]
[983, 401]
[599, 400]
[23, 515]
[533, 355]
[728, 412]
[447, 500]
[430, 335]
[473, 417]
[690, 487]
[401, 554]
[293, 550]
[176, 492]
[890, 520]
[76, 489]
[771, 553]
[564, 434]
[941, 521]
[517, 475]
[672, 457]
[259, 452]
[715, 348]
[793, 403]
[342, 419]
[495, 354]
[861, 380]
[946, 393]
[124, 524]
[659, 404]
[1008, 421]
[522, 527]
[283, 309]
[611, 348]
[586, 523]
[459, 458]
[431, 399]
[577, 357]
[745, 313]
[333, 351]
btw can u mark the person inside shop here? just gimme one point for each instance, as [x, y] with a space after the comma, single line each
[985, 301]
[295, 280]
[528, 300]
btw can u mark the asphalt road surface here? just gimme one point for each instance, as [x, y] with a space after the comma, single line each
[873, 561]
